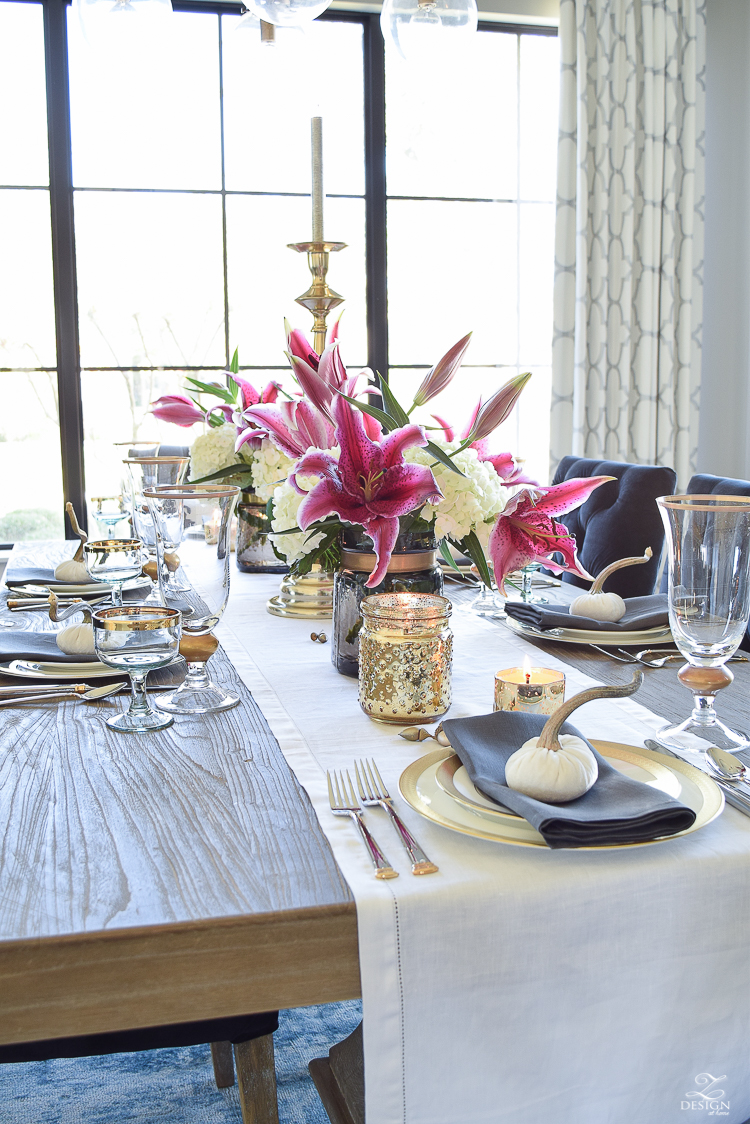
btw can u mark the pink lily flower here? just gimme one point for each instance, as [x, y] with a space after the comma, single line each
[526, 532]
[298, 345]
[177, 409]
[446, 427]
[370, 484]
[294, 427]
[504, 465]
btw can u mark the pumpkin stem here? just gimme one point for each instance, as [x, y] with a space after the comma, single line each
[602, 577]
[548, 739]
[78, 556]
[77, 606]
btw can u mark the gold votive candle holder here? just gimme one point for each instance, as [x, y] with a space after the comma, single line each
[533, 690]
[405, 657]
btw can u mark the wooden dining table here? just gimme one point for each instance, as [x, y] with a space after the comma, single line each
[158, 878]
[182, 875]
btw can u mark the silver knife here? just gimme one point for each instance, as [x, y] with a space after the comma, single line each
[732, 794]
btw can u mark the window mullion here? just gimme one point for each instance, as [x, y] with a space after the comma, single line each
[375, 197]
[63, 256]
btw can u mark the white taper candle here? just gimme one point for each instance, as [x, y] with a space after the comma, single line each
[317, 178]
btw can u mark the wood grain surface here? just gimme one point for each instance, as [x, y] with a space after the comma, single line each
[159, 838]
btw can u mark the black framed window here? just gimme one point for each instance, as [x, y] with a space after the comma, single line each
[178, 178]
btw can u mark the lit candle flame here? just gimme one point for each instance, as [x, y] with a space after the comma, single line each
[527, 668]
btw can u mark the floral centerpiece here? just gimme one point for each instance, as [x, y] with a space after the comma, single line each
[359, 466]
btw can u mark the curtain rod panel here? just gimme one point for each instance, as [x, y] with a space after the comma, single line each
[629, 236]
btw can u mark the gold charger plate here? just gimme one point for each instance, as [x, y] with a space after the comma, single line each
[421, 789]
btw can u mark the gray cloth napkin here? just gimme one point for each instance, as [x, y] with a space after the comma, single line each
[40, 646]
[26, 575]
[640, 613]
[616, 811]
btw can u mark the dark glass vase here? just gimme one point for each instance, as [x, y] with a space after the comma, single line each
[413, 568]
[254, 552]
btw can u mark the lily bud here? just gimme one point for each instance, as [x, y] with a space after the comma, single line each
[441, 374]
[497, 408]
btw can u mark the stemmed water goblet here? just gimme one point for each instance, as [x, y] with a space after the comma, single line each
[137, 639]
[109, 511]
[113, 561]
[204, 513]
[708, 537]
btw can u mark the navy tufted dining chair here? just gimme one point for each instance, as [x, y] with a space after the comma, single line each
[248, 1037]
[619, 519]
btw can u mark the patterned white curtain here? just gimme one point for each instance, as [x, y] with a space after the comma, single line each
[629, 240]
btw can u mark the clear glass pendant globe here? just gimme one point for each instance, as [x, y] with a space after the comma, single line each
[287, 13]
[415, 30]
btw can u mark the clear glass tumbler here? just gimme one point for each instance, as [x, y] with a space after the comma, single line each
[114, 562]
[709, 606]
[204, 511]
[151, 472]
[137, 639]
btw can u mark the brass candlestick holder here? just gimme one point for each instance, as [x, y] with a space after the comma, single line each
[320, 298]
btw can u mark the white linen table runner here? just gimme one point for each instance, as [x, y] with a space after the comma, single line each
[518, 985]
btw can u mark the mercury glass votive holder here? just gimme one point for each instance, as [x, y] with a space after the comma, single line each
[405, 657]
[532, 690]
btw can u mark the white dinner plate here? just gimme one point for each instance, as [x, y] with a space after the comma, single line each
[39, 589]
[647, 637]
[33, 669]
[420, 788]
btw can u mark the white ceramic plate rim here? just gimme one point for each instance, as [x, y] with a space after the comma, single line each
[660, 635]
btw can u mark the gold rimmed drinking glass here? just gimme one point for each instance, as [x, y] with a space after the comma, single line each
[709, 605]
[204, 513]
[137, 639]
[114, 561]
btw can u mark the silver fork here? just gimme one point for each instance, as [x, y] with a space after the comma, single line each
[343, 805]
[373, 792]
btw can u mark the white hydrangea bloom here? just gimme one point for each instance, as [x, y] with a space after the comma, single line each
[471, 502]
[286, 505]
[213, 450]
[270, 466]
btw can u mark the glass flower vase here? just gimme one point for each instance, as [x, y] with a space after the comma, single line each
[413, 568]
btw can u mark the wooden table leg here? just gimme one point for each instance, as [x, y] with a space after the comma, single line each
[340, 1080]
[221, 1056]
[256, 1080]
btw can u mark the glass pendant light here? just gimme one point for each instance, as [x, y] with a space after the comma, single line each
[115, 19]
[251, 23]
[287, 13]
[424, 28]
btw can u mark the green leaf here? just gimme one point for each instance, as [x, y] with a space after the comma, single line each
[319, 525]
[440, 455]
[471, 545]
[240, 470]
[445, 550]
[385, 420]
[234, 366]
[220, 391]
[306, 563]
[393, 407]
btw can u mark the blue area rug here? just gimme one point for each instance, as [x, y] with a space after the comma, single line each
[172, 1086]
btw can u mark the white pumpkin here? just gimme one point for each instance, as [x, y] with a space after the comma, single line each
[601, 606]
[598, 606]
[72, 571]
[77, 640]
[552, 775]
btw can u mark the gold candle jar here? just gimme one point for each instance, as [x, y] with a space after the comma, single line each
[405, 657]
[533, 690]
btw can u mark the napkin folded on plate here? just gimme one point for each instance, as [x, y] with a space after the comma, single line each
[640, 613]
[39, 646]
[37, 575]
[616, 811]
